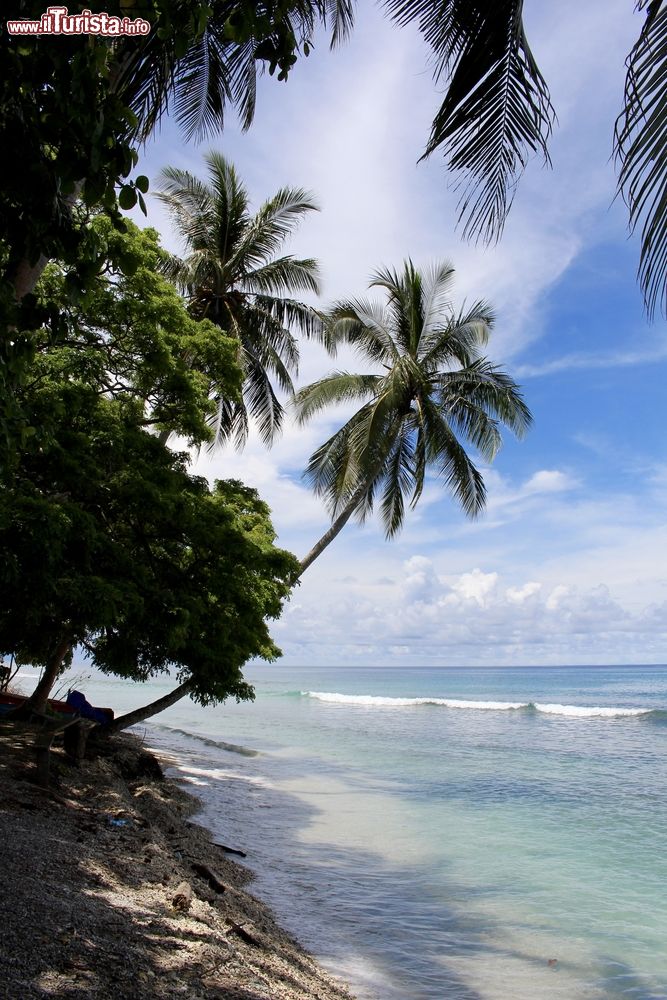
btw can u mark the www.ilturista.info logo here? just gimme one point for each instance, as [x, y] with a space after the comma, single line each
[58, 21]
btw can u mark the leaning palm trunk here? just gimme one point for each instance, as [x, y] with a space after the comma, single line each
[336, 527]
[141, 714]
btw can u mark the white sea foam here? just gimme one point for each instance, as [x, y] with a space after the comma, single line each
[590, 712]
[377, 700]
[569, 711]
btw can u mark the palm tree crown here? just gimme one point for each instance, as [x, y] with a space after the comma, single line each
[435, 390]
[232, 274]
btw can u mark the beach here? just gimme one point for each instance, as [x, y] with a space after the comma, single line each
[111, 890]
[461, 833]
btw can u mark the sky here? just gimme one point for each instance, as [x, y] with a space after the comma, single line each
[567, 564]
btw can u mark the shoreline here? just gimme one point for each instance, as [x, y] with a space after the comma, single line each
[110, 889]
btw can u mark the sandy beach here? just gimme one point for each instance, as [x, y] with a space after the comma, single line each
[110, 890]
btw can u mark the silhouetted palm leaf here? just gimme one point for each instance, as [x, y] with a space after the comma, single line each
[197, 83]
[640, 150]
[496, 111]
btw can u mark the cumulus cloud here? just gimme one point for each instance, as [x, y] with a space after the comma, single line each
[474, 619]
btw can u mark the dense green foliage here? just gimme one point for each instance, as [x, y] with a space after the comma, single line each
[132, 333]
[106, 541]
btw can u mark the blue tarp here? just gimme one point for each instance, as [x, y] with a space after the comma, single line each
[86, 710]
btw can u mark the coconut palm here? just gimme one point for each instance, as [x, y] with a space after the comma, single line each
[435, 389]
[232, 274]
[435, 392]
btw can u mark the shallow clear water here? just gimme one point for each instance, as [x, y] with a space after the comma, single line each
[496, 834]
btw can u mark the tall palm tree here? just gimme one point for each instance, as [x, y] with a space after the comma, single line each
[436, 391]
[436, 388]
[232, 274]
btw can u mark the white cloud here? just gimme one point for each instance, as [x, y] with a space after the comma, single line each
[519, 595]
[476, 586]
[548, 481]
[585, 361]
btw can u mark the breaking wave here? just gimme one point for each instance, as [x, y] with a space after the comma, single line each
[568, 711]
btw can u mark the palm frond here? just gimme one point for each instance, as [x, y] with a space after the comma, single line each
[230, 220]
[261, 403]
[293, 315]
[333, 470]
[438, 280]
[202, 85]
[340, 15]
[334, 389]
[274, 222]
[404, 303]
[458, 340]
[497, 111]
[489, 388]
[640, 152]
[283, 274]
[270, 344]
[364, 325]
[445, 452]
[229, 422]
[188, 201]
[398, 480]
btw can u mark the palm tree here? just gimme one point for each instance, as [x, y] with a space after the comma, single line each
[435, 391]
[435, 388]
[232, 274]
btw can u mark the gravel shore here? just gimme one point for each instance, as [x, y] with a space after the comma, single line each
[110, 891]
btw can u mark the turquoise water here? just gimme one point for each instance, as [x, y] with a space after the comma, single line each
[443, 833]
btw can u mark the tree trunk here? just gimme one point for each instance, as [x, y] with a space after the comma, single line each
[38, 699]
[335, 528]
[27, 275]
[140, 714]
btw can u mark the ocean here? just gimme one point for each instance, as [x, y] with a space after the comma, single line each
[473, 834]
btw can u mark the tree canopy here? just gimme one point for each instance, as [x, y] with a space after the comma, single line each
[108, 542]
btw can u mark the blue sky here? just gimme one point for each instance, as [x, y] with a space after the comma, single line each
[567, 564]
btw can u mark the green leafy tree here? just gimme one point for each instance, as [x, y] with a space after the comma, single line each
[73, 110]
[107, 542]
[233, 274]
[131, 332]
[435, 392]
